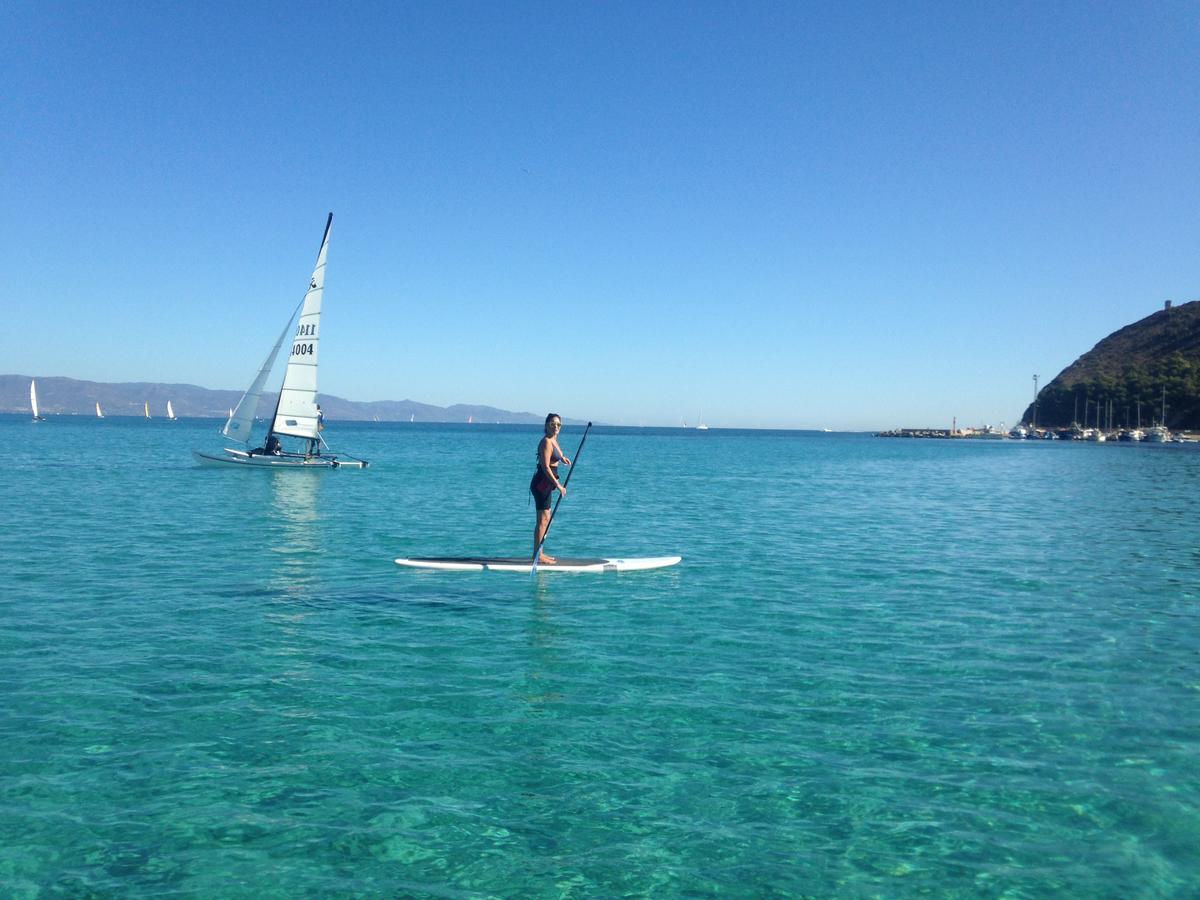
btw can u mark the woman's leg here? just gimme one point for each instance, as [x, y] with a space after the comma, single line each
[539, 533]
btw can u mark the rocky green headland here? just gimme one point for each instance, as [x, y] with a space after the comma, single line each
[1143, 365]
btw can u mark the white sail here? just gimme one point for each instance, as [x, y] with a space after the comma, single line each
[33, 400]
[99, 414]
[170, 410]
[146, 407]
[296, 414]
[241, 418]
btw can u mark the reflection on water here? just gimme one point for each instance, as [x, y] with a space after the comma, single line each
[294, 514]
[294, 494]
[543, 638]
[293, 528]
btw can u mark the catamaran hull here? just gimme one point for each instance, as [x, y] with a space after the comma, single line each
[286, 461]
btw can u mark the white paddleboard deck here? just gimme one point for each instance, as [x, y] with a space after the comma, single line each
[525, 564]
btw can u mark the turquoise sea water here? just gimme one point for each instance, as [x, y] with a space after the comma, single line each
[884, 667]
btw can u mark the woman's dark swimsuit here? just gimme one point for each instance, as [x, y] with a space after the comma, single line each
[542, 487]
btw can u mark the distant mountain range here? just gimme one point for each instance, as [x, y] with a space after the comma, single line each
[1133, 367]
[68, 396]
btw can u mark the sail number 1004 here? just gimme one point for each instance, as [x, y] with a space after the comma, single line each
[301, 348]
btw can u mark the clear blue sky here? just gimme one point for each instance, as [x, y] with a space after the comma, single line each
[845, 215]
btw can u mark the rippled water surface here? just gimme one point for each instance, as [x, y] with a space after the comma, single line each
[884, 667]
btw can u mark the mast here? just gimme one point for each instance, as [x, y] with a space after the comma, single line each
[316, 283]
[296, 407]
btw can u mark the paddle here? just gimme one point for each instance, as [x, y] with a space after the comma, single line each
[537, 554]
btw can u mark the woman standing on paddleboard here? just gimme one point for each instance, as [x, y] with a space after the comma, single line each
[545, 481]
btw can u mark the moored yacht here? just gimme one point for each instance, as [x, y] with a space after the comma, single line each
[1158, 434]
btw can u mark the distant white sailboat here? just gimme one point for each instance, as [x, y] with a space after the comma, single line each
[37, 416]
[1159, 433]
[297, 413]
[701, 426]
[147, 408]
[99, 414]
[171, 411]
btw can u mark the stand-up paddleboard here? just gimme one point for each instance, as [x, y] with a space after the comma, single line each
[525, 564]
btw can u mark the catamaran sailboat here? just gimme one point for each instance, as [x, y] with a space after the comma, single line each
[37, 417]
[297, 414]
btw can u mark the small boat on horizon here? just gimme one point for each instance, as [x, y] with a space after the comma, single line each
[99, 413]
[37, 416]
[171, 412]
